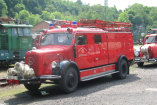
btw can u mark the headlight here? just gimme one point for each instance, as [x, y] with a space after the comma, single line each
[34, 48]
[137, 54]
[53, 64]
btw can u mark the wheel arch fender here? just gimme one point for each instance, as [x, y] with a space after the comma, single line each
[119, 60]
[64, 65]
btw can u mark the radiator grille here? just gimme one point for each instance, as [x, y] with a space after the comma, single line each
[32, 61]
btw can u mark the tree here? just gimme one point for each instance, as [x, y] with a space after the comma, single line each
[34, 19]
[79, 2]
[16, 16]
[47, 15]
[3, 8]
[58, 15]
[124, 17]
[138, 19]
[50, 8]
[19, 7]
[23, 15]
[89, 14]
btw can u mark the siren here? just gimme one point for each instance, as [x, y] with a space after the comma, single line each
[51, 26]
[74, 24]
[149, 33]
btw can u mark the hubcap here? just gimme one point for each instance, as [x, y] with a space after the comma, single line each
[71, 80]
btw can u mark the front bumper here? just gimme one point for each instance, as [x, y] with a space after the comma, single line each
[138, 59]
[38, 79]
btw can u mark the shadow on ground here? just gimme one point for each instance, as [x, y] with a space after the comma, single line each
[148, 66]
[54, 93]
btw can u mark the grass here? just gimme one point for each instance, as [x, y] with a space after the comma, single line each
[13, 90]
[138, 45]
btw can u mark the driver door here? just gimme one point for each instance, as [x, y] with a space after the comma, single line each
[84, 52]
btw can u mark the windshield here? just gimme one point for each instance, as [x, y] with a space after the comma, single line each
[56, 39]
[151, 39]
[21, 31]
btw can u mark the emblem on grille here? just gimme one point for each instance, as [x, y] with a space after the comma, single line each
[30, 61]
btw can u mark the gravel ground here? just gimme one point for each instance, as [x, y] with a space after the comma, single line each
[139, 88]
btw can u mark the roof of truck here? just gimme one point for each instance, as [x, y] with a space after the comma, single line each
[15, 25]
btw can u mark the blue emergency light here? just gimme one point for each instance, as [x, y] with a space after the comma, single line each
[74, 23]
[51, 25]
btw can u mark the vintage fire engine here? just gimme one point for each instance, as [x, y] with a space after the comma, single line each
[147, 52]
[74, 52]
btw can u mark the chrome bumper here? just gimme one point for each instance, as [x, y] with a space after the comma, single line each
[138, 59]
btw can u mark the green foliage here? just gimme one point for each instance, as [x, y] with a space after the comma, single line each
[24, 14]
[124, 17]
[3, 8]
[34, 19]
[47, 15]
[142, 17]
[58, 15]
[19, 7]
[79, 2]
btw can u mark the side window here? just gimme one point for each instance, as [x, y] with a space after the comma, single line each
[26, 31]
[14, 31]
[97, 39]
[81, 40]
[20, 32]
[3, 29]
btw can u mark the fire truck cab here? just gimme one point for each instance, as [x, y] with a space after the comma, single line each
[147, 52]
[80, 51]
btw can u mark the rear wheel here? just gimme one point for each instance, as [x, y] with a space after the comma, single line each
[69, 80]
[123, 70]
[140, 64]
[32, 87]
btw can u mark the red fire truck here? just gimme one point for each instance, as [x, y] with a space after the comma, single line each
[147, 52]
[79, 51]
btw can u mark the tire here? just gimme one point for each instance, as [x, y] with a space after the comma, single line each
[123, 70]
[69, 80]
[32, 87]
[140, 64]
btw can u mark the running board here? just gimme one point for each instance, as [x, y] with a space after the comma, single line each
[98, 75]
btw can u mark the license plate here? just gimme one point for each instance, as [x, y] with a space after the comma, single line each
[144, 60]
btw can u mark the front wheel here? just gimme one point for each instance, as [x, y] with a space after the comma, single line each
[123, 70]
[69, 80]
[32, 87]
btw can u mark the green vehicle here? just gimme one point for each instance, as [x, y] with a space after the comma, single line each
[15, 41]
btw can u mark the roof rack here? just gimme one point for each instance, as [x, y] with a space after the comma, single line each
[6, 19]
[106, 25]
[62, 23]
[16, 21]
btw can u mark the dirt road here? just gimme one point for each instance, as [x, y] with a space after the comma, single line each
[139, 88]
